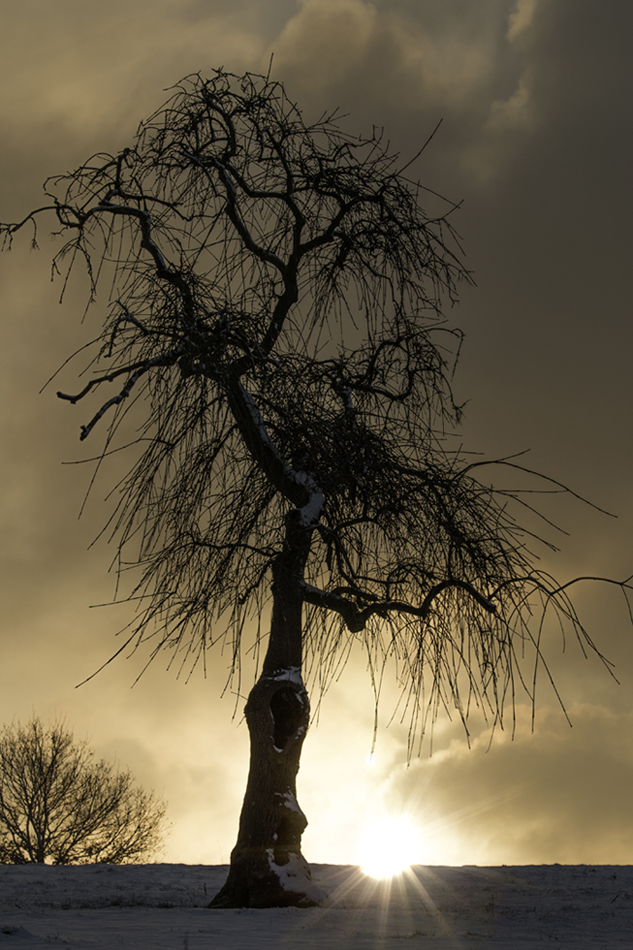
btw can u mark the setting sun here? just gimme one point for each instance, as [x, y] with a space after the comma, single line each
[387, 846]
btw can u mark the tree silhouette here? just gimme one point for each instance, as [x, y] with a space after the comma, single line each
[58, 805]
[275, 319]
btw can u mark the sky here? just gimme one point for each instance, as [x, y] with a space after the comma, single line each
[535, 102]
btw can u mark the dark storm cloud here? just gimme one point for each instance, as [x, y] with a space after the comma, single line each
[534, 97]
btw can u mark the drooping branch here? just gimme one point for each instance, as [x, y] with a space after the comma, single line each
[135, 371]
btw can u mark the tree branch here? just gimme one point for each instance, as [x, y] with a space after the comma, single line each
[356, 618]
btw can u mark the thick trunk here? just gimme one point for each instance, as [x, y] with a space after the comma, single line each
[267, 866]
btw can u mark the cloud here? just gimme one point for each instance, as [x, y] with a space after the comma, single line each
[557, 795]
[571, 76]
[521, 17]
[95, 64]
[326, 41]
[379, 53]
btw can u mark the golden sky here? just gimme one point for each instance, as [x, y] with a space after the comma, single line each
[535, 98]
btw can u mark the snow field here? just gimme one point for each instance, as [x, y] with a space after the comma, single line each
[164, 907]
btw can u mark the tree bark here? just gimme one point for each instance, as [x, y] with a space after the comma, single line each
[267, 866]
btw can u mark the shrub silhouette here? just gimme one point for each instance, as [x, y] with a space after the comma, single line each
[59, 806]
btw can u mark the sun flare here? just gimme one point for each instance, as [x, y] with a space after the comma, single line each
[387, 846]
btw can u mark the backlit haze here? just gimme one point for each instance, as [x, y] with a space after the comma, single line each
[536, 102]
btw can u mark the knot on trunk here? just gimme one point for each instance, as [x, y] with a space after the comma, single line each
[278, 708]
[287, 708]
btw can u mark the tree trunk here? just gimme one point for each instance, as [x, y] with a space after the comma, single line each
[267, 866]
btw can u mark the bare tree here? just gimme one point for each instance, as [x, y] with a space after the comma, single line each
[58, 805]
[275, 319]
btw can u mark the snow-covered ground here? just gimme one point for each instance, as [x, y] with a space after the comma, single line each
[164, 907]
